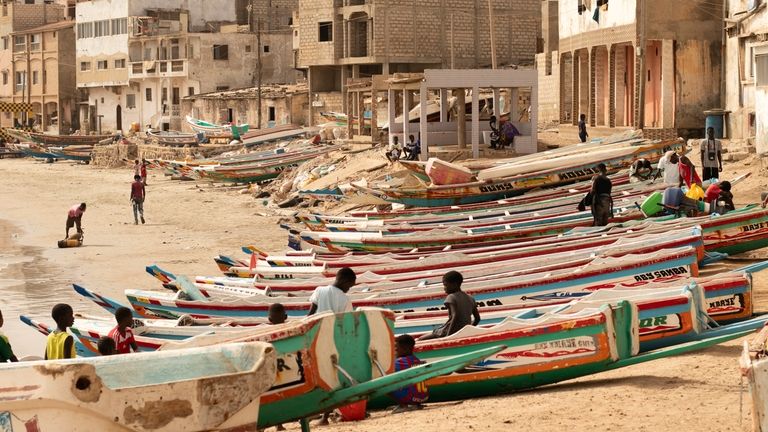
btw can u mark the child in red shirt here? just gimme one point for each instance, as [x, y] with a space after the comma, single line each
[122, 334]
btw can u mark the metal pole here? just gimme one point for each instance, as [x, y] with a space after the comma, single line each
[453, 56]
[493, 38]
[258, 57]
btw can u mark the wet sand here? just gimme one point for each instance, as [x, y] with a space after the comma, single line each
[187, 225]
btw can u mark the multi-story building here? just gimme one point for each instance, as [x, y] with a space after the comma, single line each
[648, 64]
[36, 58]
[137, 58]
[340, 39]
[746, 77]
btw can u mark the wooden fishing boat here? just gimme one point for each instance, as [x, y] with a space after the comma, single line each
[262, 171]
[35, 151]
[197, 389]
[753, 364]
[212, 130]
[73, 152]
[256, 137]
[174, 139]
[57, 140]
[499, 187]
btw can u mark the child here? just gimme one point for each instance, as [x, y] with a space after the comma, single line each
[461, 308]
[60, 344]
[138, 193]
[106, 346]
[122, 334]
[6, 353]
[583, 128]
[720, 192]
[410, 397]
[277, 314]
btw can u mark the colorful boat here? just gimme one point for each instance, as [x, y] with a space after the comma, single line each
[261, 171]
[212, 130]
[56, 140]
[73, 152]
[197, 389]
[35, 151]
[753, 364]
[174, 139]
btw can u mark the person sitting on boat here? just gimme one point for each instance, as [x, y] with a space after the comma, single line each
[412, 149]
[333, 298]
[640, 170]
[393, 150]
[75, 218]
[462, 308]
[412, 396]
[276, 314]
[601, 200]
[6, 353]
[106, 346]
[122, 334]
[719, 197]
[60, 344]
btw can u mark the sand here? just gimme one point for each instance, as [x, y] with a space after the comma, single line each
[187, 224]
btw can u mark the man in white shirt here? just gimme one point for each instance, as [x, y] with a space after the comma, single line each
[668, 165]
[334, 298]
[711, 156]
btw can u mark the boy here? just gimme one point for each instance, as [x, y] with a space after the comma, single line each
[122, 334]
[6, 353]
[688, 174]
[668, 167]
[276, 314]
[583, 128]
[393, 154]
[410, 397]
[720, 192]
[602, 202]
[711, 155]
[462, 308]
[640, 170]
[60, 344]
[75, 218]
[334, 298]
[143, 171]
[106, 346]
[138, 192]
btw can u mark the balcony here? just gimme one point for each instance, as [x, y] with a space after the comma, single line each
[158, 68]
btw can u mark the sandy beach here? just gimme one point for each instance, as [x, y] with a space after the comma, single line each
[188, 223]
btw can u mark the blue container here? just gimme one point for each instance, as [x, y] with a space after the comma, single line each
[714, 120]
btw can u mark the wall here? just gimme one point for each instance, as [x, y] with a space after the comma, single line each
[697, 67]
[291, 109]
[200, 11]
[549, 89]
[107, 48]
[620, 13]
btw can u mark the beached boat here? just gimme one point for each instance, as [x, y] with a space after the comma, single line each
[74, 152]
[174, 139]
[488, 188]
[197, 389]
[56, 140]
[256, 137]
[754, 366]
[212, 130]
[260, 171]
[35, 151]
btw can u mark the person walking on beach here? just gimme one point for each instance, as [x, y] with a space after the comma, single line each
[60, 344]
[711, 156]
[6, 353]
[143, 171]
[602, 203]
[334, 298]
[583, 128]
[137, 168]
[122, 333]
[462, 308]
[138, 193]
[75, 218]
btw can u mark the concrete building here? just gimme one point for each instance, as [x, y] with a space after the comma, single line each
[630, 63]
[340, 39]
[280, 105]
[137, 58]
[29, 61]
[746, 77]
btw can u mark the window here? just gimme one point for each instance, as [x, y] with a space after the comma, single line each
[85, 30]
[148, 94]
[325, 32]
[222, 88]
[101, 28]
[120, 26]
[19, 43]
[271, 113]
[175, 51]
[5, 78]
[148, 54]
[5, 42]
[34, 42]
[190, 91]
[21, 80]
[130, 100]
[85, 66]
[175, 96]
[247, 48]
[266, 48]
[164, 93]
[120, 64]
[45, 77]
[761, 67]
[221, 52]
[34, 77]
[101, 64]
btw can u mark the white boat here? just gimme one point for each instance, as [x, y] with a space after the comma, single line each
[197, 389]
[754, 366]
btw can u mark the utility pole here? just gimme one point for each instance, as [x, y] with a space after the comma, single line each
[453, 55]
[258, 58]
[493, 38]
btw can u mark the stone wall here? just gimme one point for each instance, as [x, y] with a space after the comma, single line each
[549, 89]
[117, 155]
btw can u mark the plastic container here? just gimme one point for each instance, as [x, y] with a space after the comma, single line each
[354, 411]
[651, 205]
[715, 119]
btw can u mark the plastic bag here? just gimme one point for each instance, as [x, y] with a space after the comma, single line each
[695, 192]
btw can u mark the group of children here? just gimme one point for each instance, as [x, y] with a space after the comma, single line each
[462, 311]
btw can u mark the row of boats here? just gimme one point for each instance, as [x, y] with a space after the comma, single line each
[558, 298]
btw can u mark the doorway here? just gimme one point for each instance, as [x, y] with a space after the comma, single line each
[119, 118]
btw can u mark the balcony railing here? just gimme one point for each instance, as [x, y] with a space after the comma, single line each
[158, 68]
